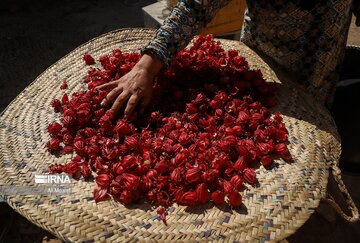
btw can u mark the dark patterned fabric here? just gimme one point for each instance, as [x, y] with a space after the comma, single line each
[306, 37]
[185, 21]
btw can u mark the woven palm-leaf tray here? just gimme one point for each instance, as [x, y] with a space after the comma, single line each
[286, 196]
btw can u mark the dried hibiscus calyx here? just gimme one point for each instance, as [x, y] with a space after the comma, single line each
[63, 85]
[56, 168]
[218, 197]
[235, 199]
[162, 212]
[100, 194]
[54, 145]
[207, 127]
[88, 59]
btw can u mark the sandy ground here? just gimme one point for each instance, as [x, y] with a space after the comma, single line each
[354, 34]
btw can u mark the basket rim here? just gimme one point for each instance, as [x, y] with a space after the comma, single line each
[304, 217]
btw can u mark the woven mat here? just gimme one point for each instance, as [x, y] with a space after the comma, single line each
[285, 198]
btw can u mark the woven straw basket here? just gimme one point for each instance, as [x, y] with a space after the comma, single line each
[286, 196]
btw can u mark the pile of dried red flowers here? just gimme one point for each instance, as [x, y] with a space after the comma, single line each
[207, 127]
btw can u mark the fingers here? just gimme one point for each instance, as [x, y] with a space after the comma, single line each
[120, 100]
[133, 101]
[145, 102]
[109, 85]
[111, 96]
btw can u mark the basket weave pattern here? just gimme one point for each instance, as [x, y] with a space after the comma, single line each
[285, 198]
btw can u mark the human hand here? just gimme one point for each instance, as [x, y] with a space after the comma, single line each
[134, 88]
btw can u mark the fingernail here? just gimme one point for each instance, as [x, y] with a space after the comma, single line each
[102, 103]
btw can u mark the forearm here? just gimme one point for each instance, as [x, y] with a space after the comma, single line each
[185, 21]
[151, 64]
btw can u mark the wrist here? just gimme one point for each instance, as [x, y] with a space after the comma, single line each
[151, 64]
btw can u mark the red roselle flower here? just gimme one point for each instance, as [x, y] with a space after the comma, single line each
[200, 98]
[122, 128]
[79, 147]
[100, 194]
[228, 187]
[56, 104]
[189, 198]
[264, 148]
[103, 180]
[176, 175]
[161, 167]
[190, 150]
[68, 121]
[218, 197]
[210, 176]
[88, 59]
[54, 128]
[63, 85]
[237, 130]
[193, 175]
[115, 188]
[235, 199]
[250, 176]
[54, 145]
[220, 162]
[281, 149]
[156, 117]
[202, 193]
[127, 197]
[266, 161]
[191, 108]
[67, 150]
[152, 174]
[85, 171]
[129, 181]
[71, 168]
[243, 117]
[67, 139]
[237, 181]
[281, 135]
[65, 100]
[56, 168]
[240, 164]
[162, 212]
[131, 142]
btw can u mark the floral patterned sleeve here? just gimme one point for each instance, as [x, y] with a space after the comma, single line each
[185, 21]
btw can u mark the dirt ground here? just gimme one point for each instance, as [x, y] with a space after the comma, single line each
[354, 34]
